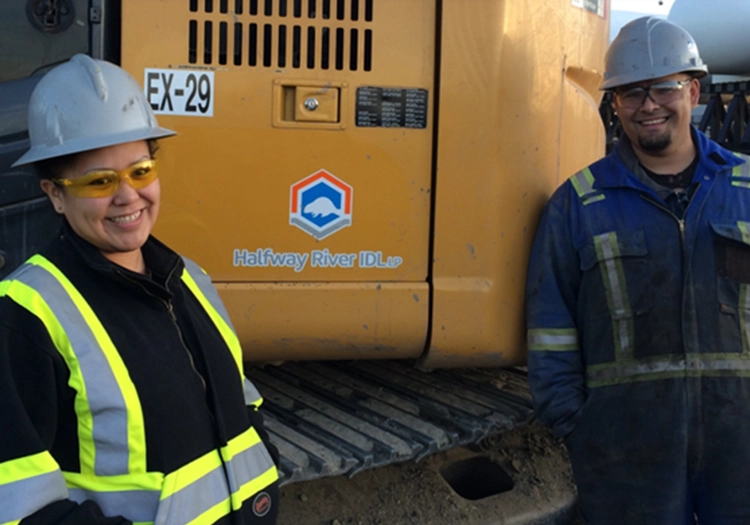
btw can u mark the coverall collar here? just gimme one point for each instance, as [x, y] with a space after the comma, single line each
[711, 158]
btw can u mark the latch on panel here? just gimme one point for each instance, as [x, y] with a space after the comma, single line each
[316, 104]
[309, 104]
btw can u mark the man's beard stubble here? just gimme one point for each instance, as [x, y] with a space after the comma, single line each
[655, 143]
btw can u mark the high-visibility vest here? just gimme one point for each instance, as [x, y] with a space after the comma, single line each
[113, 471]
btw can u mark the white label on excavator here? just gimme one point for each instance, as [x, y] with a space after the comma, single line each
[177, 92]
[593, 6]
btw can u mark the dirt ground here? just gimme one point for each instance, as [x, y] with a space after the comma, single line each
[416, 493]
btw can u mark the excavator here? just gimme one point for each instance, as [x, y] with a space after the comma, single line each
[362, 180]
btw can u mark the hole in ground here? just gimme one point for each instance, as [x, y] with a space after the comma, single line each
[476, 478]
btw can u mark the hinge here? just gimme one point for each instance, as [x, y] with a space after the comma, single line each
[95, 15]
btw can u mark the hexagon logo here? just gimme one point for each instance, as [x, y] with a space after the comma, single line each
[321, 204]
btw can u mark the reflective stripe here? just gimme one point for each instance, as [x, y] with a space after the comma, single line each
[553, 339]
[615, 285]
[198, 493]
[745, 229]
[27, 484]
[135, 496]
[137, 506]
[694, 365]
[110, 421]
[744, 295]
[252, 396]
[200, 285]
[744, 314]
[249, 466]
[741, 173]
[583, 182]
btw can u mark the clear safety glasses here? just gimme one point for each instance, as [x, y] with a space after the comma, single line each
[661, 93]
[103, 183]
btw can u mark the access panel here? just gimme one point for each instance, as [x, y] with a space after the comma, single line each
[301, 175]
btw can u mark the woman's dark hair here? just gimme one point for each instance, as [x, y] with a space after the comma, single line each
[55, 168]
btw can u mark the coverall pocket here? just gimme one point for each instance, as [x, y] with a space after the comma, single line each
[732, 259]
[614, 266]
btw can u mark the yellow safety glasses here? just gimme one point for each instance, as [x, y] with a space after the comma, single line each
[103, 183]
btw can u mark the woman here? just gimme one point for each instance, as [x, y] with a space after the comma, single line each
[120, 373]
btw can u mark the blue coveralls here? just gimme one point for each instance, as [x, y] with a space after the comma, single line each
[639, 341]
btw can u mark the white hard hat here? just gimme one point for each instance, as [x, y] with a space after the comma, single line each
[86, 104]
[648, 48]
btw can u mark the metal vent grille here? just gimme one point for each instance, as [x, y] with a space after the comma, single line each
[307, 41]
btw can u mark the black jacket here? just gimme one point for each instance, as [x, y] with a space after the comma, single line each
[183, 372]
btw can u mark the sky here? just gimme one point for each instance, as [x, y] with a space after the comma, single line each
[657, 7]
[623, 11]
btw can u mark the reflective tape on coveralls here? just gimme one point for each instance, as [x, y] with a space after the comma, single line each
[583, 182]
[111, 431]
[27, 484]
[744, 313]
[693, 365]
[741, 173]
[615, 285]
[553, 339]
[744, 295]
[195, 494]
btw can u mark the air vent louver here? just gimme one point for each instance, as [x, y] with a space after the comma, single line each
[257, 38]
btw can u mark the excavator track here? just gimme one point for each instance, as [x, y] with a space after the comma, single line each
[339, 418]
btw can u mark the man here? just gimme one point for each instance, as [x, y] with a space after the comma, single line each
[638, 304]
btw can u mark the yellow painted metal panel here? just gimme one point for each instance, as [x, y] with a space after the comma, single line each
[227, 178]
[518, 114]
[305, 321]
[519, 92]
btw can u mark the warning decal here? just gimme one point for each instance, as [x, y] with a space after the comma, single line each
[391, 108]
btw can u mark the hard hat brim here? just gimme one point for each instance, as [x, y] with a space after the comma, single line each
[651, 74]
[79, 145]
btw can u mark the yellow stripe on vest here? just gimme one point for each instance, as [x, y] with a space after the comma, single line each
[224, 329]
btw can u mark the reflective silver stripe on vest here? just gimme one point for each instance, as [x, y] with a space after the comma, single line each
[105, 401]
[583, 182]
[613, 275]
[136, 505]
[695, 365]
[252, 396]
[204, 283]
[205, 486]
[248, 465]
[22, 498]
[211, 489]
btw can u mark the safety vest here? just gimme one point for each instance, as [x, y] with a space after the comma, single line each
[113, 471]
[626, 368]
